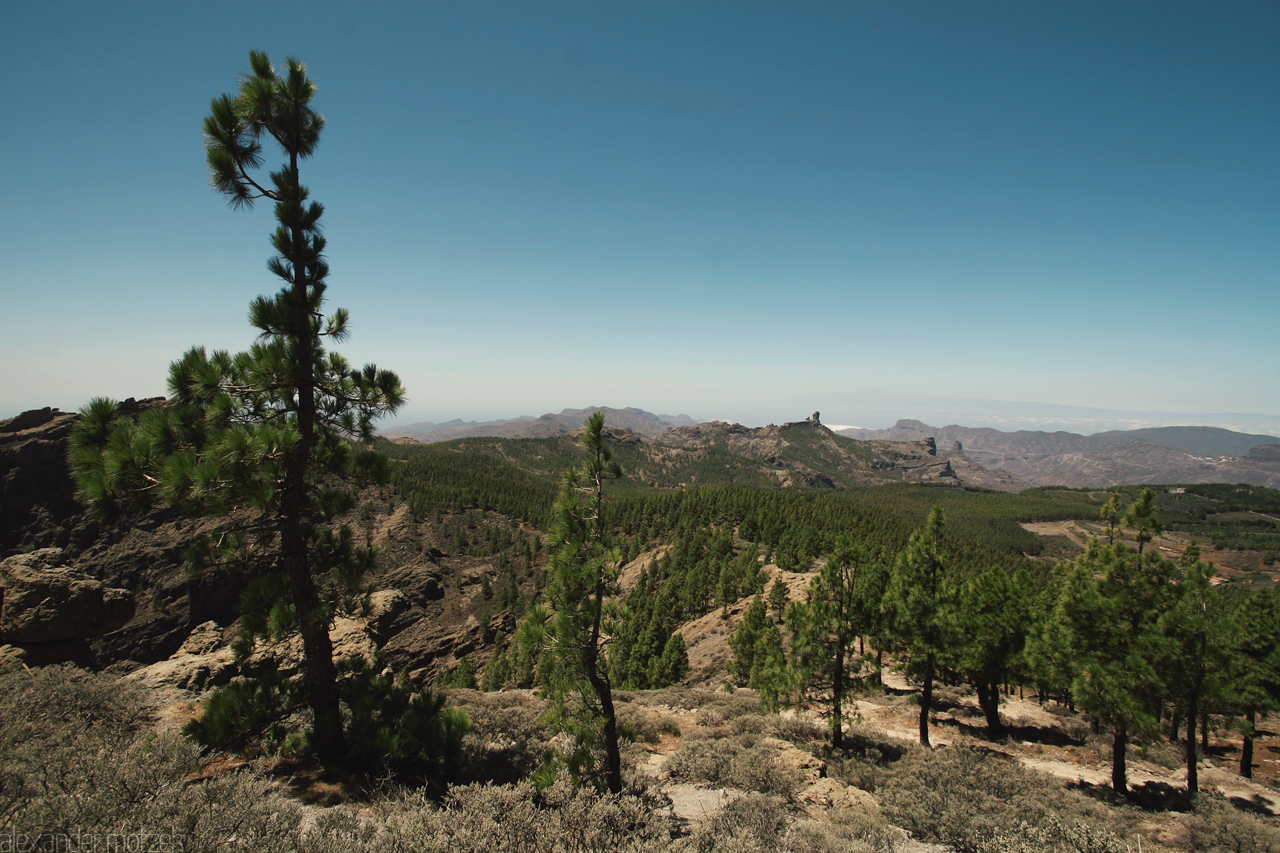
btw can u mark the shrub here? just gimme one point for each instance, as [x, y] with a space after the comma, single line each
[865, 757]
[399, 728]
[515, 818]
[390, 724]
[801, 731]
[1218, 827]
[77, 769]
[733, 761]
[977, 803]
[246, 713]
[640, 724]
[508, 740]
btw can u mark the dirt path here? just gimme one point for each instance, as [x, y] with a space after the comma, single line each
[1068, 529]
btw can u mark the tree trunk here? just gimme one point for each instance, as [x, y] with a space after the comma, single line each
[600, 683]
[1246, 747]
[317, 649]
[1119, 773]
[989, 700]
[926, 699]
[1173, 728]
[1193, 778]
[837, 694]
[1204, 732]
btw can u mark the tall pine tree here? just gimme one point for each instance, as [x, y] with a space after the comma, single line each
[259, 438]
[917, 601]
[582, 573]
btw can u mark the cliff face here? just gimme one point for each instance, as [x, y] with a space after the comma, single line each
[37, 497]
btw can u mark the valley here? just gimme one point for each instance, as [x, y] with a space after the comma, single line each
[709, 516]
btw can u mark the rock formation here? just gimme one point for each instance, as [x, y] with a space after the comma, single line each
[49, 610]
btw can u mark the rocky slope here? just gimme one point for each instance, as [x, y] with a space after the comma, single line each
[807, 454]
[1165, 455]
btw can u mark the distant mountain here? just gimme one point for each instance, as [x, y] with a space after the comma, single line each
[1196, 440]
[872, 409]
[1154, 455]
[568, 420]
[807, 454]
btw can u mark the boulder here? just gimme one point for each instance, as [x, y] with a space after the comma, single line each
[42, 601]
[385, 607]
[202, 662]
[350, 638]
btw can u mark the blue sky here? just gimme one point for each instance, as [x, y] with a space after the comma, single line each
[686, 207]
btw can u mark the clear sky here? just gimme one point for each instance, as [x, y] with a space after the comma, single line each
[686, 207]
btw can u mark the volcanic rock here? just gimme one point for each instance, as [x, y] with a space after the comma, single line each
[43, 601]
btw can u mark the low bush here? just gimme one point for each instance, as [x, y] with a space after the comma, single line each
[515, 818]
[1170, 756]
[733, 761]
[864, 760]
[508, 740]
[804, 732]
[642, 724]
[1215, 826]
[979, 803]
[391, 725]
[80, 770]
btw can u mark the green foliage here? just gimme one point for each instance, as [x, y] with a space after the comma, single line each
[582, 573]
[461, 676]
[746, 639]
[1140, 517]
[1103, 638]
[842, 603]
[918, 605]
[245, 713]
[993, 613]
[397, 727]
[259, 439]
[779, 598]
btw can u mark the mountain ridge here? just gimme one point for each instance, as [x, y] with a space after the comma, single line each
[1190, 454]
[527, 426]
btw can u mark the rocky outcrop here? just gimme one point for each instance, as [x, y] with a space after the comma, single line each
[807, 454]
[202, 662]
[37, 496]
[44, 601]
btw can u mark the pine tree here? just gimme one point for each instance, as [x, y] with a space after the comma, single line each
[744, 639]
[1110, 513]
[1254, 663]
[829, 620]
[990, 620]
[1140, 517]
[582, 573]
[1197, 652]
[917, 602]
[259, 438]
[1104, 633]
[779, 598]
